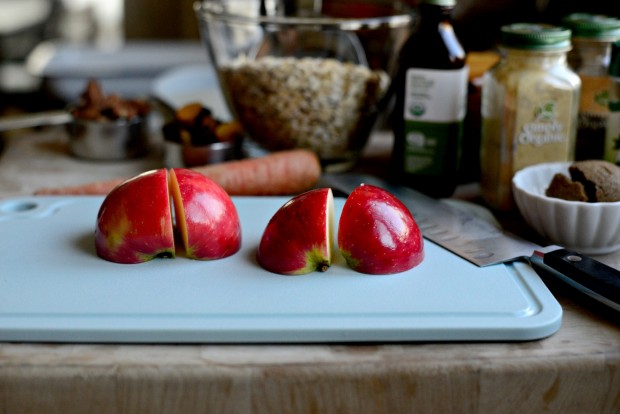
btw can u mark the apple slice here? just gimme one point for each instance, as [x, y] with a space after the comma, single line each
[134, 222]
[206, 217]
[298, 238]
[377, 233]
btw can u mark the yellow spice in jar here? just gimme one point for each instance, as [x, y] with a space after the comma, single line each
[529, 114]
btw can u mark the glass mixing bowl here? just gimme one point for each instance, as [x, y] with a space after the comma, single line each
[299, 74]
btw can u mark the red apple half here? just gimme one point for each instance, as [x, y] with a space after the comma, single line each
[377, 233]
[298, 239]
[206, 217]
[134, 222]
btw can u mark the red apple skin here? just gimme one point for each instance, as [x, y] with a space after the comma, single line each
[134, 222]
[377, 233]
[298, 239]
[206, 214]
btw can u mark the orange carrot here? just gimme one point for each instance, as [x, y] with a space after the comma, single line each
[278, 173]
[284, 172]
[95, 188]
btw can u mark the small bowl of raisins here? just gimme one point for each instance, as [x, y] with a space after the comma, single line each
[194, 137]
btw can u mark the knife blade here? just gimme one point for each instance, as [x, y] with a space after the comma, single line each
[484, 244]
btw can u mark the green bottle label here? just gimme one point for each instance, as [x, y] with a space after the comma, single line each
[434, 112]
[432, 148]
[612, 138]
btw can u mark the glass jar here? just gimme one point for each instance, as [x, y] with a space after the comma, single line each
[529, 107]
[612, 136]
[592, 36]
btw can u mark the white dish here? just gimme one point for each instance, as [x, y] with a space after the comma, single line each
[53, 287]
[128, 70]
[589, 228]
[192, 83]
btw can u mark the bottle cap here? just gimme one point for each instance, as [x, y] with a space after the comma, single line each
[444, 3]
[593, 26]
[614, 63]
[535, 36]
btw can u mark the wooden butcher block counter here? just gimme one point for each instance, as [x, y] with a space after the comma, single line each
[575, 370]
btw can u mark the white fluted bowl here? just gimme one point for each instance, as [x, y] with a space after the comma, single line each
[590, 228]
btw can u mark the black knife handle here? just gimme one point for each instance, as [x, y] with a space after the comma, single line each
[592, 277]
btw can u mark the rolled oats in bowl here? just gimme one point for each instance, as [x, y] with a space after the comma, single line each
[300, 74]
[315, 103]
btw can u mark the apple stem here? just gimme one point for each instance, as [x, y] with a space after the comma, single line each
[323, 266]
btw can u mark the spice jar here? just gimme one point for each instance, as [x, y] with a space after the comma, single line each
[612, 136]
[592, 36]
[529, 107]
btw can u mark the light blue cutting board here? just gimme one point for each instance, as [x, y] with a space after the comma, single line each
[53, 287]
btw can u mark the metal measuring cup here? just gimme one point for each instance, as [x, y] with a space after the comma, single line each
[106, 140]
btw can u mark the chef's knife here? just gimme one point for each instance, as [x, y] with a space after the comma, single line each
[484, 243]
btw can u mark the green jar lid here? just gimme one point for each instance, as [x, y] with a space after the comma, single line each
[593, 26]
[535, 36]
[614, 63]
[444, 3]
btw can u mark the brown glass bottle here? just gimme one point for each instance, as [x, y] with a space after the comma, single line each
[430, 89]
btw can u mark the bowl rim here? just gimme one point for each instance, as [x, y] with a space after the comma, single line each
[213, 146]
[206, 9]
[517, 186]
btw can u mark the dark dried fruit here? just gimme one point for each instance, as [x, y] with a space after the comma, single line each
[94, 105]
[196, 125]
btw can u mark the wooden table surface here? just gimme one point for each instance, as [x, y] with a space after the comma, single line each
[576, 370]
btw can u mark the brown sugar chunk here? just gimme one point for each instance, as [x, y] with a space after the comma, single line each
[600, 179]
[563, 187]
